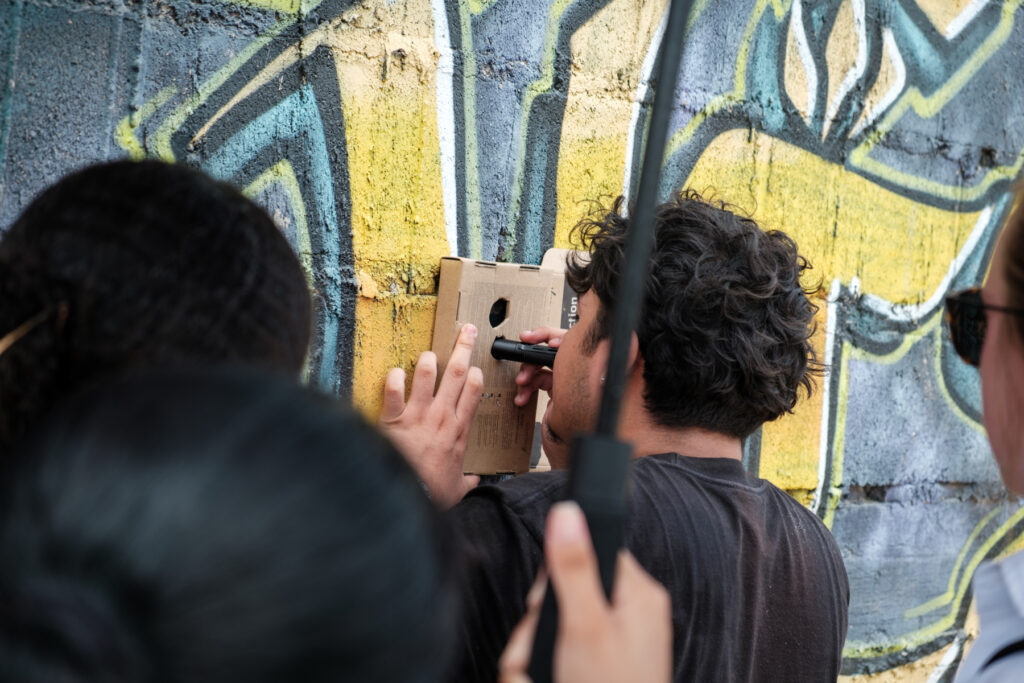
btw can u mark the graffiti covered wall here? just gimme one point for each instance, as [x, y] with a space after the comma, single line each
[881, 134]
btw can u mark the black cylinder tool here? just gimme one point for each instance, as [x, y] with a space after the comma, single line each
[535, 354]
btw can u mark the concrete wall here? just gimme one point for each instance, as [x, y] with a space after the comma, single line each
[881, 134]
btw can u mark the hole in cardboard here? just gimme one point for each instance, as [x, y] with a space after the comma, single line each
[499, 311]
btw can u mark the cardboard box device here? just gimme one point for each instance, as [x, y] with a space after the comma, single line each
[501, 299]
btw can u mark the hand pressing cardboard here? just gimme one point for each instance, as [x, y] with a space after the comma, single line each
[430, 429]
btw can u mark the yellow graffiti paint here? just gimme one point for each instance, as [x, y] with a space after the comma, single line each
[921, 636]
[901, 253]
[842, 54]
[124, 133]
[890, 80]
[798, 75]
[391, 332]
[917, 671]
[941, 381]
[833, 488]
[847, 352]
[282, 6]
[596, 125]
[951, 589]
[680, 138]
[927, 106]
[479, 6]
[790, 445]
[845, 224]
[942, 12]
[282, 174]
[161, 139]
[387, 66]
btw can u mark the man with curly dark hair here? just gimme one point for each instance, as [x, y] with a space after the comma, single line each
[759, 592]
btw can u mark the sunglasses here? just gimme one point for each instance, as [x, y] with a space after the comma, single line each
[965, 315]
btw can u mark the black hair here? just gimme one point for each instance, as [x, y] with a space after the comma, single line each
[140, 264]
[218, 526]
[726, 325]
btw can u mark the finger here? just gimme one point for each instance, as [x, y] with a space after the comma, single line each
[423, 380]
[394, 394]
[535, 598]
[539, 335]
[572, 565]
[643, 606]
[469, 398]
[539, 381]
[514, 677]
[527, 371]
[469, 482]
[634, 586]
[516, 658]
[458, 367]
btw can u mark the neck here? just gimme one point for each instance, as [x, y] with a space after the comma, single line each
[637, 427]
[690, 441]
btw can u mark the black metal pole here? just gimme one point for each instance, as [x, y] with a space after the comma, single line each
[599, 465]
[640, 242]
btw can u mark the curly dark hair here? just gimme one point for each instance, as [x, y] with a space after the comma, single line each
[140, 264]
[726, 325]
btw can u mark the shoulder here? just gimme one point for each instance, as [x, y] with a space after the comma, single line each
[718, 494]
[522, 501]
[998, 652]
[1009, 669]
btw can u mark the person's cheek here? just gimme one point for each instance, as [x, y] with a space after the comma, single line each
[1012, 417]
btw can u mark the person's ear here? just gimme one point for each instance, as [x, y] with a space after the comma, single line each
[636, 361]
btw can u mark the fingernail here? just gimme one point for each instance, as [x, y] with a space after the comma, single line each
[568, 525]
[525, 332]
[470, 330]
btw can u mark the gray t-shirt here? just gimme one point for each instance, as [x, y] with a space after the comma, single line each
[759, 591]
[998, 654]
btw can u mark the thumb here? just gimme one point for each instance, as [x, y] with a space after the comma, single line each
[572, 565]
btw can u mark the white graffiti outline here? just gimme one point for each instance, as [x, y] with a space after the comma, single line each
[446, 122]
[897, 87]
[796, 25]
[948, 659]
[964, 18]
[826, 383]
[914, 312]
[856, 72]
[641, 94]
